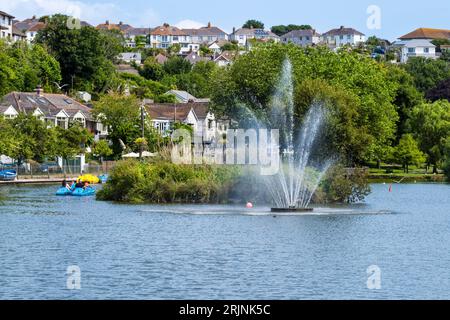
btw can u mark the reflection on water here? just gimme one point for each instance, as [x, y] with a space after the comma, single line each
[225, 252]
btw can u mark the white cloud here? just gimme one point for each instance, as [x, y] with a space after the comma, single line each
[189, 24]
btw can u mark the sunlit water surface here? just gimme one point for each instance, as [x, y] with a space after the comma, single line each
[225, 252]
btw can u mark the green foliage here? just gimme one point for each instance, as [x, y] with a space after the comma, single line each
[152, 70]
[283, 29]
[251, 79]
[101, 149]
[230, 47]
[446, 165]
[23, 67]
[164, 182]
[407, 152]
[430, 125]
[255, 24]
[85, 55]
[427, 73]
[441, 91]
[343, 185]
[177, 65]
[29, 138]
[406, 96]
[123, 117]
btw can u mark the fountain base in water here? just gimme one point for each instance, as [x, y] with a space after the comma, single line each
[291, 209]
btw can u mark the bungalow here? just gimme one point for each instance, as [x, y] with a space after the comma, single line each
[302, 38]
[6, 20]
[243, 35]
[206, 34]
[33, 30]
[55, 109]
[343, 36]
[216, 46]
[427, 34]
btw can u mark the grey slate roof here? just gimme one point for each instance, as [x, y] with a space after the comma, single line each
[50, 104]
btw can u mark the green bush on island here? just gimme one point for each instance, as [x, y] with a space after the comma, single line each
[165, 182]
[162, 182]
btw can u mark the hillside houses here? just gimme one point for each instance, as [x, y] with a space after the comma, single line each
[244, 35]
[418, 43]
[302, 38]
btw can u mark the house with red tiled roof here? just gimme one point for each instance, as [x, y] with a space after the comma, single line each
[165, 36]
[427, 33]
[418, 43]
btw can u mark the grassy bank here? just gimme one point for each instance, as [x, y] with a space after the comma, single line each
[397, 175]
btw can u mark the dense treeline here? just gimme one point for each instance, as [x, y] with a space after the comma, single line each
[381, 112]
[377, 108]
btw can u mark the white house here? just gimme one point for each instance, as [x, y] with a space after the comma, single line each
[416, 48]
[165, 36]
[6, 20]
[195, 114]
[243, 35]
[418, 43]
[302, 38]
[343, 36]
[206, 34]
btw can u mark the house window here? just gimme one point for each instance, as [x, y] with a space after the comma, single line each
[61, 122]
[81, 121]
[175, 38]
[164, 38]
[341, 37]
[349, 37]
[307, 38]
[426, 50]
[411, 50]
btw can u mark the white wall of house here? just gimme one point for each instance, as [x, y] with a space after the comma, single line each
[303, 41]
[6, 24]
[417, 51]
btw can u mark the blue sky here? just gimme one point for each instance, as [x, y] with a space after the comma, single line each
[397, 17]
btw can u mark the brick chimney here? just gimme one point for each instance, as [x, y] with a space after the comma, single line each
[209, 24]
[39, 91]
[107, 22]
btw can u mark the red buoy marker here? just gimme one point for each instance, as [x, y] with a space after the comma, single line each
[249, 205]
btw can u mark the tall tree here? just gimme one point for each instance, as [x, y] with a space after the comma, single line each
[283, 29]
[407, 152]
[430, 125]
[85, 54]
[255, 24]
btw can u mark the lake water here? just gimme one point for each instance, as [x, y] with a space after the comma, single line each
[225, 252]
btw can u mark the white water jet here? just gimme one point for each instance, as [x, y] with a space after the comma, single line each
[298, 177]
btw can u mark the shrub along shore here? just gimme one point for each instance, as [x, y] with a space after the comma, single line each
[163, 182]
